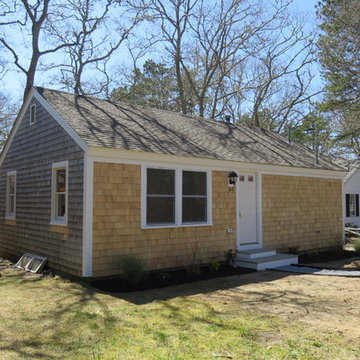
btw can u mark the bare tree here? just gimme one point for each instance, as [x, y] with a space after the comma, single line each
[174, 17]
[281, 78]
[225, 51]
[8, 113]
[98, 29]
[22, 17]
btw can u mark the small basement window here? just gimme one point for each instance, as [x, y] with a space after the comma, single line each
[32, 114]
[31, 262]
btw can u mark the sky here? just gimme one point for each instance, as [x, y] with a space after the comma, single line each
[14, 83]
[308, 5]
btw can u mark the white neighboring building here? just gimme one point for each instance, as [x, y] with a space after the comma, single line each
[351, 193]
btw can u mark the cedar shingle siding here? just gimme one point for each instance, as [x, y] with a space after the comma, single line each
[32, 152]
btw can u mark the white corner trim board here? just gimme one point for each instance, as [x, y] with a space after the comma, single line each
[88, 216]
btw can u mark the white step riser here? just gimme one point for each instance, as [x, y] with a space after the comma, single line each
[266, 264]
[245, 256]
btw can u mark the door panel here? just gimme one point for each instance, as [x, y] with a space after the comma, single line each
[247, 208]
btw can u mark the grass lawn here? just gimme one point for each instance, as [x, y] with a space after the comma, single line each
[265, 315]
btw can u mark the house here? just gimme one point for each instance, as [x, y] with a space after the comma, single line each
[351, 193]
[84, 181]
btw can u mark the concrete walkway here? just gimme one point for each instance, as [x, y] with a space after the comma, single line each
[317, 271]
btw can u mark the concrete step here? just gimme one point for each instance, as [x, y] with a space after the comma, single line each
[255, 253]
[267, 262]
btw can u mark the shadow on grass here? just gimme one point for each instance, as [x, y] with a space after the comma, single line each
[203, 287]
[51, 320]
[78, 317]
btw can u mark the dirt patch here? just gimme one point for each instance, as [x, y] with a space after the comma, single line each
[328, 303]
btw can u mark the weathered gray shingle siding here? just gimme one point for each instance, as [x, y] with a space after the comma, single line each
[32, 152]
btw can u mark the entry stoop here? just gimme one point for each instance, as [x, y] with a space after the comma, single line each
[262, 259]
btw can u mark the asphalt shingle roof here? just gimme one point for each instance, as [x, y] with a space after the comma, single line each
[102, 123]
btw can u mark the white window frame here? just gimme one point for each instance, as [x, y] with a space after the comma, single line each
[178, 197]
[32, 114]
[10, 215]
[59, 220]
[352, 205]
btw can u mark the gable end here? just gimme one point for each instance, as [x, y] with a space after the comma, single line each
[33, 94]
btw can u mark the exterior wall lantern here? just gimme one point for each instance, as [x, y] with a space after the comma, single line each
[233, 176]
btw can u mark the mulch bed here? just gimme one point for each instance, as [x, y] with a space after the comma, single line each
[168, 278]
[326, 256]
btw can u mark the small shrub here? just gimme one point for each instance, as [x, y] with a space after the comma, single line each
[193, 261]
[133, 269]
[294, 250]
[313, 253]
[213, 265]
[229, 256]
[357, 245]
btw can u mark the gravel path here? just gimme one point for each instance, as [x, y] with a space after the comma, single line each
[317, 271]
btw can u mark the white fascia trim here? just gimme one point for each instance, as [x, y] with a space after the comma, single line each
[60, 120]
[87, 261]
[140, 158]
[178, 195]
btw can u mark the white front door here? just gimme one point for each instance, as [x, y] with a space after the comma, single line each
[247, 209]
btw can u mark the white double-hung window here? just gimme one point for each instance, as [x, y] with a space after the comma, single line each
[59, 200]
[175, 197]
[11, 195]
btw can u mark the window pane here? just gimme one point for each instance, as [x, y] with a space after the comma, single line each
[12, 204]
[194, 210]
[60, 180]
[352, 205]
[160, 182]
[194, 183]
[60, 205]
[160, 210]
[12, 185]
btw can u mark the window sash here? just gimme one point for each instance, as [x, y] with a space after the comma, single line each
[164, 181]
[32, 114]
[11, 195]
[182, 198]
[59, 200]
[352, 205]
[194, 187]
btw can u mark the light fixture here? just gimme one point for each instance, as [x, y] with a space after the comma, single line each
[233, 176]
